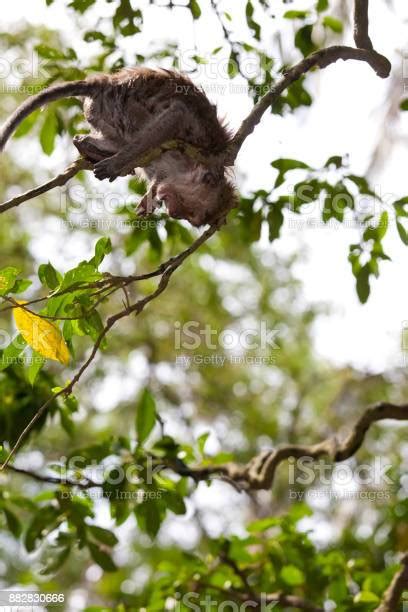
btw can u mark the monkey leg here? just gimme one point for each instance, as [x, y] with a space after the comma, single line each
[92, 148]
[168, 125]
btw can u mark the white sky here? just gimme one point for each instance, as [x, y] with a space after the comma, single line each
[350, 102]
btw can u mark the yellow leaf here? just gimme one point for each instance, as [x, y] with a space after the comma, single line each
[42, 335]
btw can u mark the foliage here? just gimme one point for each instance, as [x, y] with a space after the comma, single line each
[105, 482]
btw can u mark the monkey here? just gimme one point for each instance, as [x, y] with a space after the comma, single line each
[135, 110]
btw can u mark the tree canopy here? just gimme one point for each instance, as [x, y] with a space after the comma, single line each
[171, 439]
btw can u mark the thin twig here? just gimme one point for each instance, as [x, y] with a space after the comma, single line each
[81, 484]
[57, 181]
[136, 309]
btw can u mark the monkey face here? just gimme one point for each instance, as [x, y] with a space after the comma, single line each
[193, 195]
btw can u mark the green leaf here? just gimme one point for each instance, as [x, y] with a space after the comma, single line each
[36, 364]
[335, 160]
[9, 355]
[55, 562]
[292, 575]
[27, 125]
[303, 40]
[403, 234]
[275, 221]
[174, 502]
[13, 523]
[363, 284]
[8, 277]
[195, 9]
[21, 285]
[102, 248]
[149, 517]
[404, 105]
[49, 276]
[263, 524]
[296, 14]
[48, 133]
[43, 522]
[366, 597]
[322, 5]
[252, 24]
[145, 416]
[284, 165]
[101, 557]
[201, 441]
[81, 5]
[103, 535]
[382, 225]
[333, 23]
[49, 52]
[84, 273]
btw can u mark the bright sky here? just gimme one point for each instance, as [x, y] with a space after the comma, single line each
[346, 118]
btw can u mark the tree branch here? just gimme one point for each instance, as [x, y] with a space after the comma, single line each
[57, 181]
[136, 309]
[392, 596]
[83, 164]
[361, 37]
[86, 483]
[320, 59]
[259, 473]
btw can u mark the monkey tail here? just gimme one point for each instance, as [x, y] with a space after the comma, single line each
[55, 92]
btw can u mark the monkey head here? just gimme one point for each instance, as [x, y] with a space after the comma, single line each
[200, 195]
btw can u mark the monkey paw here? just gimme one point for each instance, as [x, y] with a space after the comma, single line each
[106, 168]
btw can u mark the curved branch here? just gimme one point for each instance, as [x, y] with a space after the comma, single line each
[259, 473]
[320, 59]
[392, 596]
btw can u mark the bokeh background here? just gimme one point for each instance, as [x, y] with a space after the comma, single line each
[334, 355]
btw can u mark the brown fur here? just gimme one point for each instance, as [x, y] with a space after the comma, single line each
[136, 110]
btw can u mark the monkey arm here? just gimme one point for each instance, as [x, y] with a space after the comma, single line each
[165, 126]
